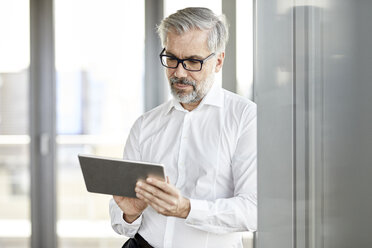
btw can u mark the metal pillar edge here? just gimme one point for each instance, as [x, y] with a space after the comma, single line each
[42, 125]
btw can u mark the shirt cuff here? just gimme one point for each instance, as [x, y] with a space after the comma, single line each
[121, 226]
[198, 212]
[130, 229]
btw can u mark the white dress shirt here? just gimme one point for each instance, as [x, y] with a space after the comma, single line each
[209, 154]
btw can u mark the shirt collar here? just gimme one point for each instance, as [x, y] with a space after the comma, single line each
[214, 97]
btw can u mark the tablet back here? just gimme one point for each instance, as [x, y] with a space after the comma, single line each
[115, 176]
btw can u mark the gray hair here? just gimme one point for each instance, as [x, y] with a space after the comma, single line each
[197, 18]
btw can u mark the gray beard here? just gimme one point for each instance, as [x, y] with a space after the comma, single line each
[199, 90]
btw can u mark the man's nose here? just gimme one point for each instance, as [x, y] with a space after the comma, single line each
[180, 71]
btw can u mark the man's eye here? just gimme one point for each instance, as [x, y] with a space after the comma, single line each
[192, 61]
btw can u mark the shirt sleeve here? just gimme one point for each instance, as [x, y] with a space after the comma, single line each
[131, 152]
[238, 213]
[119, 225]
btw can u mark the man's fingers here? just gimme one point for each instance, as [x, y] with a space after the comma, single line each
[162, 196]
[149, 197]
[159, 207]
[157, 192]
[165, 186]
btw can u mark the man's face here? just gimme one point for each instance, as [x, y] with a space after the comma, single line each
[187, 86]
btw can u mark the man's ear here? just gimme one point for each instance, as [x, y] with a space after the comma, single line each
[219, 63]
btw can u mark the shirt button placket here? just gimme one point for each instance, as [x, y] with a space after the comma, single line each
[169, 230]
[183, 147]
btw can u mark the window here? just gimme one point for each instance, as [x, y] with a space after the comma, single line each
[15, 228]
[244, 48]
[171, 7]
[100, 66]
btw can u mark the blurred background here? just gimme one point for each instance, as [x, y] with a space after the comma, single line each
[74, 75]
[98, 51]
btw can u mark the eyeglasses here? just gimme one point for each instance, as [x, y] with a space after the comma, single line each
[188, 64]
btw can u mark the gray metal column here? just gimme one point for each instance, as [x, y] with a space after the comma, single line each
[346, 125]
[229, 80]
[42, 126]
[313, 90]
[155, 82]
[275, 96]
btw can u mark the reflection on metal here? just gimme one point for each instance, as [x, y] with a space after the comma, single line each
[44, 144]
[229, 80]
[314, 137]
[155, 82]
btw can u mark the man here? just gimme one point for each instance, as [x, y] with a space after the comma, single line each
[205, 137]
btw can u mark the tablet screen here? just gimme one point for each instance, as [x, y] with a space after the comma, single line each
[116, 176]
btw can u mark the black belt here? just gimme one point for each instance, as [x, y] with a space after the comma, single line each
[141, 242]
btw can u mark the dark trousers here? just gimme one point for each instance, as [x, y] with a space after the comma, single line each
[136, 242]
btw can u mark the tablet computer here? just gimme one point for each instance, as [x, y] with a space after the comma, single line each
[116, 176]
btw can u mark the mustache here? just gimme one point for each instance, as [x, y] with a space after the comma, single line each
[175, 80]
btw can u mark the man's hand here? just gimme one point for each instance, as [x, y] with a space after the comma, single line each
[163, 197]
[131, 207]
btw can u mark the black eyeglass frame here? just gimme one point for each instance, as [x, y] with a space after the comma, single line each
[161, 55]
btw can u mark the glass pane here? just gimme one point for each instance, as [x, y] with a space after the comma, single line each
[340, 93]
[314, 139]
[172, 6]
[100, 65]
[15, 228]
[244, 47]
